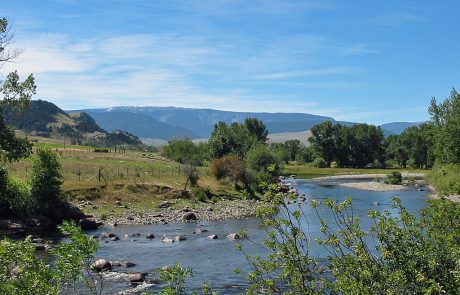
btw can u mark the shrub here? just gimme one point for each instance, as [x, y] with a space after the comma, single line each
[46, 180]
[201, 194]
[445, 178]
[319, 163]
[185, 151]
[229, 166]
[259, 158]
[394, 178]
[22, 204]
[15, 197]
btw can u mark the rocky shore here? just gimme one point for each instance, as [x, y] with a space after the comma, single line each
[168, 212]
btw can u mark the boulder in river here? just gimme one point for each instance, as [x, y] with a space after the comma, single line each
[150, 236]
[189, 216]
[180, 238]
[122, 263]
[213, 237]
[102, 265]
[167, 240]
[137, 277]
[233, 236]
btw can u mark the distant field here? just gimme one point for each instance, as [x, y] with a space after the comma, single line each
[304, 171]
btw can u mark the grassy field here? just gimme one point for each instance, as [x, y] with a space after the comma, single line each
[128, 176]
[305, 171]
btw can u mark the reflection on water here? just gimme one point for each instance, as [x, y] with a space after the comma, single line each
[213, 261]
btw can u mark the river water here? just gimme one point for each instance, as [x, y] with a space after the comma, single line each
[213, 261]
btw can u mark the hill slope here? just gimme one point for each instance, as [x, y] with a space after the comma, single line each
[45, 119]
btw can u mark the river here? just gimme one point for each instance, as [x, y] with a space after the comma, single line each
[213, 261]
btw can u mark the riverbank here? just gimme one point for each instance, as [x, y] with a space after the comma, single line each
[373, 185]
[176, 210]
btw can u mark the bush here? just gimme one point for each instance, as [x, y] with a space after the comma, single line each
[185, 151]
[201, 194]
[319, 163]
[233, 168]
[445, 178]
[22, 203]
[393, 178]
[229, 166]
[15, 197]
[260, 158]
[46, 180]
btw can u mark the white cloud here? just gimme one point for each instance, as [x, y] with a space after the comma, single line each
[171, 69]
[395, 18]
[309, 72]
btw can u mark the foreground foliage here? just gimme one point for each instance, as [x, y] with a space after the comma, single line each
[398, 254]
[21, 272]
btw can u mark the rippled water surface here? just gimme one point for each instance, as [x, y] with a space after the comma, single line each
[213, 261]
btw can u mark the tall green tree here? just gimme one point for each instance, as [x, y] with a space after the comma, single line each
[257, 129]
[354, 146]
[236, 138]
[365, 142]
[446, 118]
[322, 140]
[16, 94]
[46, 180]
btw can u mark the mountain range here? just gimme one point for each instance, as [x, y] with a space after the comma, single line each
[166, 123]
[160, 124]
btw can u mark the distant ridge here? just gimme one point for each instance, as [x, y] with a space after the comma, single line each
[399, 127]
[200, 122]
[165, 123]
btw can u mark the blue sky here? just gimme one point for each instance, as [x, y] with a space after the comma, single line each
[366, 61]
